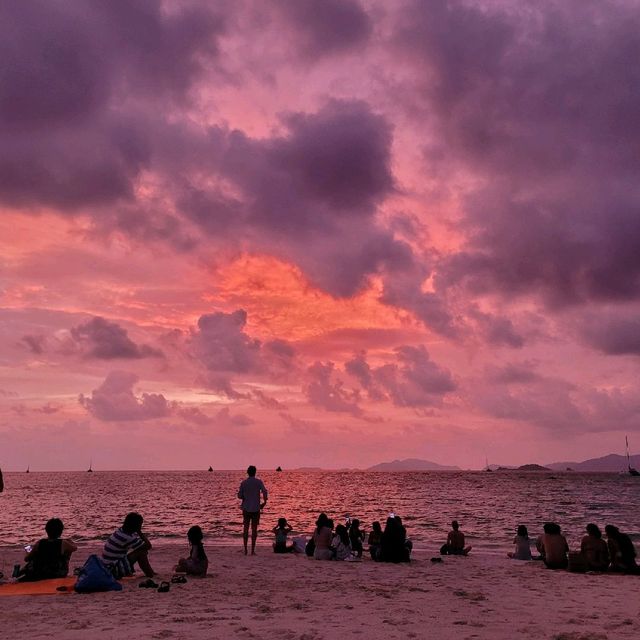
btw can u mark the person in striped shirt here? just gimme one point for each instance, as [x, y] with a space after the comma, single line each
[129, 544]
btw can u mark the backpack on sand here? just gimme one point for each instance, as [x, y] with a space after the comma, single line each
[95, 576]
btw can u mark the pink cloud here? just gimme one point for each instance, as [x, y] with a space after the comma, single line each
[114, 400]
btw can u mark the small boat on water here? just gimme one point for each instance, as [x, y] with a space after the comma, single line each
[279, 469]
[27, 471]
[631, 470]
[210, 469]
[90, 469]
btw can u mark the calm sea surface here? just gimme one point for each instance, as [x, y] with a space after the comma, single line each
[488, 505]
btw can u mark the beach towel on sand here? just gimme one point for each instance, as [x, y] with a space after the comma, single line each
[39, 588]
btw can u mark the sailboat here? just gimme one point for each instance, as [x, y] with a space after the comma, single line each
[27, 471]
[210, 469]
[279, 469]
[90, 469]
[632, 471]
[486, 466]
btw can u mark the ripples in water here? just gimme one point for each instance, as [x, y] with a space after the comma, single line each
[488, 506]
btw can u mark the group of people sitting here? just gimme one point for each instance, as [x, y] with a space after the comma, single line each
[616, 554]
[129, 545]
[126, 546]
[346, 541]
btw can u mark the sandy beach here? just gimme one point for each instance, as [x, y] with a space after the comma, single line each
[292, 597]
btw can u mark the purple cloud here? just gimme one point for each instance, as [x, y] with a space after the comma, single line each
[542, 112]
[35, 343]
[613, 334]
[323, 392]
[114, 400]
[327, 27]
[73, 79]
[221, 344]
[99, 338]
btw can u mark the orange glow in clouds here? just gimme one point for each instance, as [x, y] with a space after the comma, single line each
[280, 301]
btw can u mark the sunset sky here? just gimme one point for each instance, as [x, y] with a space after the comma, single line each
[318, 232]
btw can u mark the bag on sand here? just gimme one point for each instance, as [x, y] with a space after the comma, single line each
[95, 576]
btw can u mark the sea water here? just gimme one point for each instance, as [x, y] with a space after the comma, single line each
[489, 506]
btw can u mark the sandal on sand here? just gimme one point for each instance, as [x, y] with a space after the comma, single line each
[148, 584]
[164, 587]
[179, 580]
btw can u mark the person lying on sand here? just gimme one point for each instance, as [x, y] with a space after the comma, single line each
[455, 542]
[128, 545]
[49, 557]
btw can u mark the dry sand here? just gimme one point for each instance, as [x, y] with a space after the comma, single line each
[287, 597]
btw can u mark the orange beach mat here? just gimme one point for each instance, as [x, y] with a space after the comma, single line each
[40, 588]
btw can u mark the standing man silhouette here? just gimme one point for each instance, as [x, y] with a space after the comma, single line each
[249, 493]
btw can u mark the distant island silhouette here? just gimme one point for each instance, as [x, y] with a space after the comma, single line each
[412, 464]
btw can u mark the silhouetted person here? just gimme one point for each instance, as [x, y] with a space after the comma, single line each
[375, 540]
[128, 545]
[249, 493]
[553, 546]
[621, 550]
[50, 556]
[281, 531]
[523, 545]
[341, 543]
[197, 563]
[356, 537]
[322, 538]
[455, 542]
[393, 544]
[594, 549]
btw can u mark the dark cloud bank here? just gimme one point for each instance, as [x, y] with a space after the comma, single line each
[538, 103]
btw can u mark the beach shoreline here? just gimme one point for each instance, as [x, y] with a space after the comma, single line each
[295, 597]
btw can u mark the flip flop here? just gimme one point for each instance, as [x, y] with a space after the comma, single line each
[148, 584]
[164, 587]
[179, 580]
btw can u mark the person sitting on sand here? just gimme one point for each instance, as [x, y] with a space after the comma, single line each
[621, 551]
[281, 531]
[553, 547]
[375, 539]
[356, 537]
[128, 545]
[393, 543]
[197, 563]
[49, 557]
[455, 542]
[341, 543]
[250, 490]
[322, 537]
[523, 545]
[594, 549]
